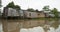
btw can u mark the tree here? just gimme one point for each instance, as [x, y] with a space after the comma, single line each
[17, 7]
[56, 23]
[46, 8]
[11, 5]
[37, 10]
[30, 9]
[55, 12]
[46, 11]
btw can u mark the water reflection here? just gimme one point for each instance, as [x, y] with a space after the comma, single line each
[52, 29]
[40, 29]
[1, 27]
[58, 29]
[35, 29]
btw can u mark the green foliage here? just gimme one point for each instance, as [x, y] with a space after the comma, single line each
[12, 5]
[37, 10]
[30, 9]
[46, 8]
[17, 7]
[55, 12]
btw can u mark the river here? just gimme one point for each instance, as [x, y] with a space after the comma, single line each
[35, 29]
[1, 30]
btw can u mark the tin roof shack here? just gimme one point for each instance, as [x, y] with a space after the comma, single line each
[10, 12]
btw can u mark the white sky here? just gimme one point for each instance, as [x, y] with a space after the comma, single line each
[35, 4]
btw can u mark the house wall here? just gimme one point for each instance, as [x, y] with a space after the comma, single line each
[5, 11]
[35, 14]
[29, 14]
[40, 14]
[21, 13]
[12, 12]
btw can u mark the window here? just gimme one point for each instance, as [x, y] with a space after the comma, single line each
[29, 14]
[38, 14]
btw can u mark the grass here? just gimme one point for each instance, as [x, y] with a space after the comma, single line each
[43, 18]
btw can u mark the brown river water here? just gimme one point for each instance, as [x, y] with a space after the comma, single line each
[27, 26]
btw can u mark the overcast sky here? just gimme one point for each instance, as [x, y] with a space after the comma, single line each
[35, 4]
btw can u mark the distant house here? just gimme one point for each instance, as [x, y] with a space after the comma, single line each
[40, 14]
[29, 14]
[46, 13]
[10, 12]
[33, 14]
[59, 14]
[50, 14]
[21, 13]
